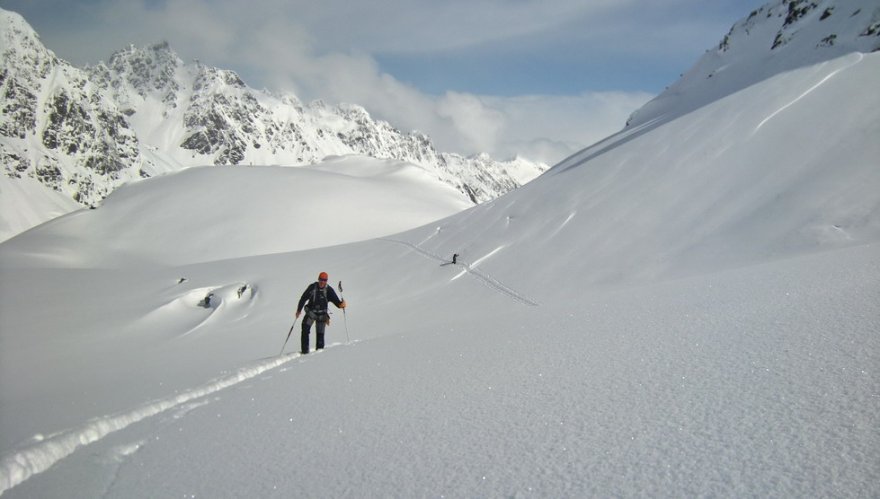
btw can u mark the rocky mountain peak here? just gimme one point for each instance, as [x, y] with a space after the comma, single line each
[815, 25]
[21, 48]
[57, 126]
[133, 74]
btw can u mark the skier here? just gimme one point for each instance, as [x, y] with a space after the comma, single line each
[315, 300]
[454, 258]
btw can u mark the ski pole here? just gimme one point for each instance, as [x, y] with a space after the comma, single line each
[288, 335]
[344, 316]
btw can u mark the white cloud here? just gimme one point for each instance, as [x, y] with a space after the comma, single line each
[470, 117]
[545, 128]
[550, 128]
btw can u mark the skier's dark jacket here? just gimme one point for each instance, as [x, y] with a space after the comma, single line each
[317, 300]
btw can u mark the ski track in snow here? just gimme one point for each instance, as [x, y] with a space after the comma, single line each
[469, 268]
[19, 466]
[807, 92]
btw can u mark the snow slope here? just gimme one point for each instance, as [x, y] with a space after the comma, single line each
[779, 168]
[202, 215]
[688, 308]
[25, 203]
[759, 381]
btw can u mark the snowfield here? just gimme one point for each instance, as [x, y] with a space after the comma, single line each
[732, 383]
[688, 308]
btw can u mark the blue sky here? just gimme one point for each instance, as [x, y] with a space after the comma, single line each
[537, 78]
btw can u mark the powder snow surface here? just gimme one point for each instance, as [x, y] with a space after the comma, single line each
[756, 381]
[689, 308]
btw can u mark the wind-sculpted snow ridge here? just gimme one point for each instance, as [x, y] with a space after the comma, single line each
[469, 268]
[19, 466]
[231, 302]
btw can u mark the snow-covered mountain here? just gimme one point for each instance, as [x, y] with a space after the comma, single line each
[57, 127]
[195, 115]
[688, 308]
[779, 37]
[84, 132]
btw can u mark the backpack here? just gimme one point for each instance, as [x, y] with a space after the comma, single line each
[318, 304]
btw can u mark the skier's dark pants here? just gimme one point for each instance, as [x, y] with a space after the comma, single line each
[319, 332]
